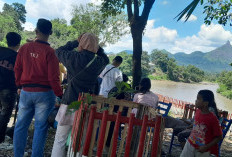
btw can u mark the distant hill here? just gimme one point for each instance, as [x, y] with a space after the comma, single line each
[214, 61]
[128, 52]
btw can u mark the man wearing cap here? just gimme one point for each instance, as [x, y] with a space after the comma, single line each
[37, 73]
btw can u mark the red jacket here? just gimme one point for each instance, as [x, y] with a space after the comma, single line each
[37, 64]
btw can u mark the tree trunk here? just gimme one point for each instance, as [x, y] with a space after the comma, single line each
[136, 31]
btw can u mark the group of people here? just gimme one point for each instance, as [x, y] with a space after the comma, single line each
[33, 73]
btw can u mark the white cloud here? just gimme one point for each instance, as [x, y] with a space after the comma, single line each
[28, 26]
[160, 34]
[50, 9]
[1, 4]
[96, 2]
[191, 18]
[165, 2]
[214, 32]
[207, 39]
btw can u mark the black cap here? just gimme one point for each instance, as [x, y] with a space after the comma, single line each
[44, 26]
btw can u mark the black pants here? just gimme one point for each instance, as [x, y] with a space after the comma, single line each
[7, 102]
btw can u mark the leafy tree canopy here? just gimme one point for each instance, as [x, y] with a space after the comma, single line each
[160, 59]
[137, 22]
[62, 33]
[219, 10]
[89, 18]
[16, 11]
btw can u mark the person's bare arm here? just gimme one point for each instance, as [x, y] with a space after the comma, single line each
[209, 145]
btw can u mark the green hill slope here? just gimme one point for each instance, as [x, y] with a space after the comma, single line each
[213, 61]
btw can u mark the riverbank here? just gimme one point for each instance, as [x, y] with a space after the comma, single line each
[188, 92]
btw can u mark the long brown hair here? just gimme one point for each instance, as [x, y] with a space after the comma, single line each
[145, 85]
[207, 95]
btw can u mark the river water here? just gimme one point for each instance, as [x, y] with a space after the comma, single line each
[188, 92]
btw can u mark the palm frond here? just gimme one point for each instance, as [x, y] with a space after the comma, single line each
[189, 10]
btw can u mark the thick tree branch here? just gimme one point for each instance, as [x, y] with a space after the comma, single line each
[136, 9]
[129, 10]
[147, 8]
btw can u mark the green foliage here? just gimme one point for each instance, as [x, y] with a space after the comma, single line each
[151, 77]
[173, 71]
[122, 87]
[21, 11]
[223, 90]
[158, 77]
[126, 66]
[146, 68]
[89, 18]
[219, 10]
[137, 20]
[11, 19]
[160, 59]
[113, 7]
[7, 24]
[86, 18]
[3, 44]
[226, 79]
[16, 11]
[211, 77]
[62, 33]
[225, 84]
[74, 105]
[192, 73]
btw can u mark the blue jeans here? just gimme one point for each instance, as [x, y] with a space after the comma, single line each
[37, 105]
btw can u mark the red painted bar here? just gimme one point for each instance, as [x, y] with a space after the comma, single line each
[89, 131]
[82, 126]
[76, 117]
[129, 135]
[142, 136]
[102, 133]
[155, 140]
[76, 128]
[115, 136]
[124, 120]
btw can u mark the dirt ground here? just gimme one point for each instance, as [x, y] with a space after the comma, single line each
[6, 148]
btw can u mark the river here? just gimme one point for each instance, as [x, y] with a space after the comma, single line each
[188, 92]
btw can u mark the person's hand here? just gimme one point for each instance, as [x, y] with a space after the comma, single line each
[19, 91]
[100, 51]
[30, 40]
[58, 101]
[202, 149]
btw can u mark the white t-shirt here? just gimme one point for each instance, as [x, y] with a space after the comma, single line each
[108, 81]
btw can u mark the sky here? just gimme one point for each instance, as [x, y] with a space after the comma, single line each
[162, 30]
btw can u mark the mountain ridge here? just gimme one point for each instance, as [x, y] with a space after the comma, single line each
[214, 61]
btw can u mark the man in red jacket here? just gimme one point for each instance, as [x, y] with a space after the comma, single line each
[37, 72]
